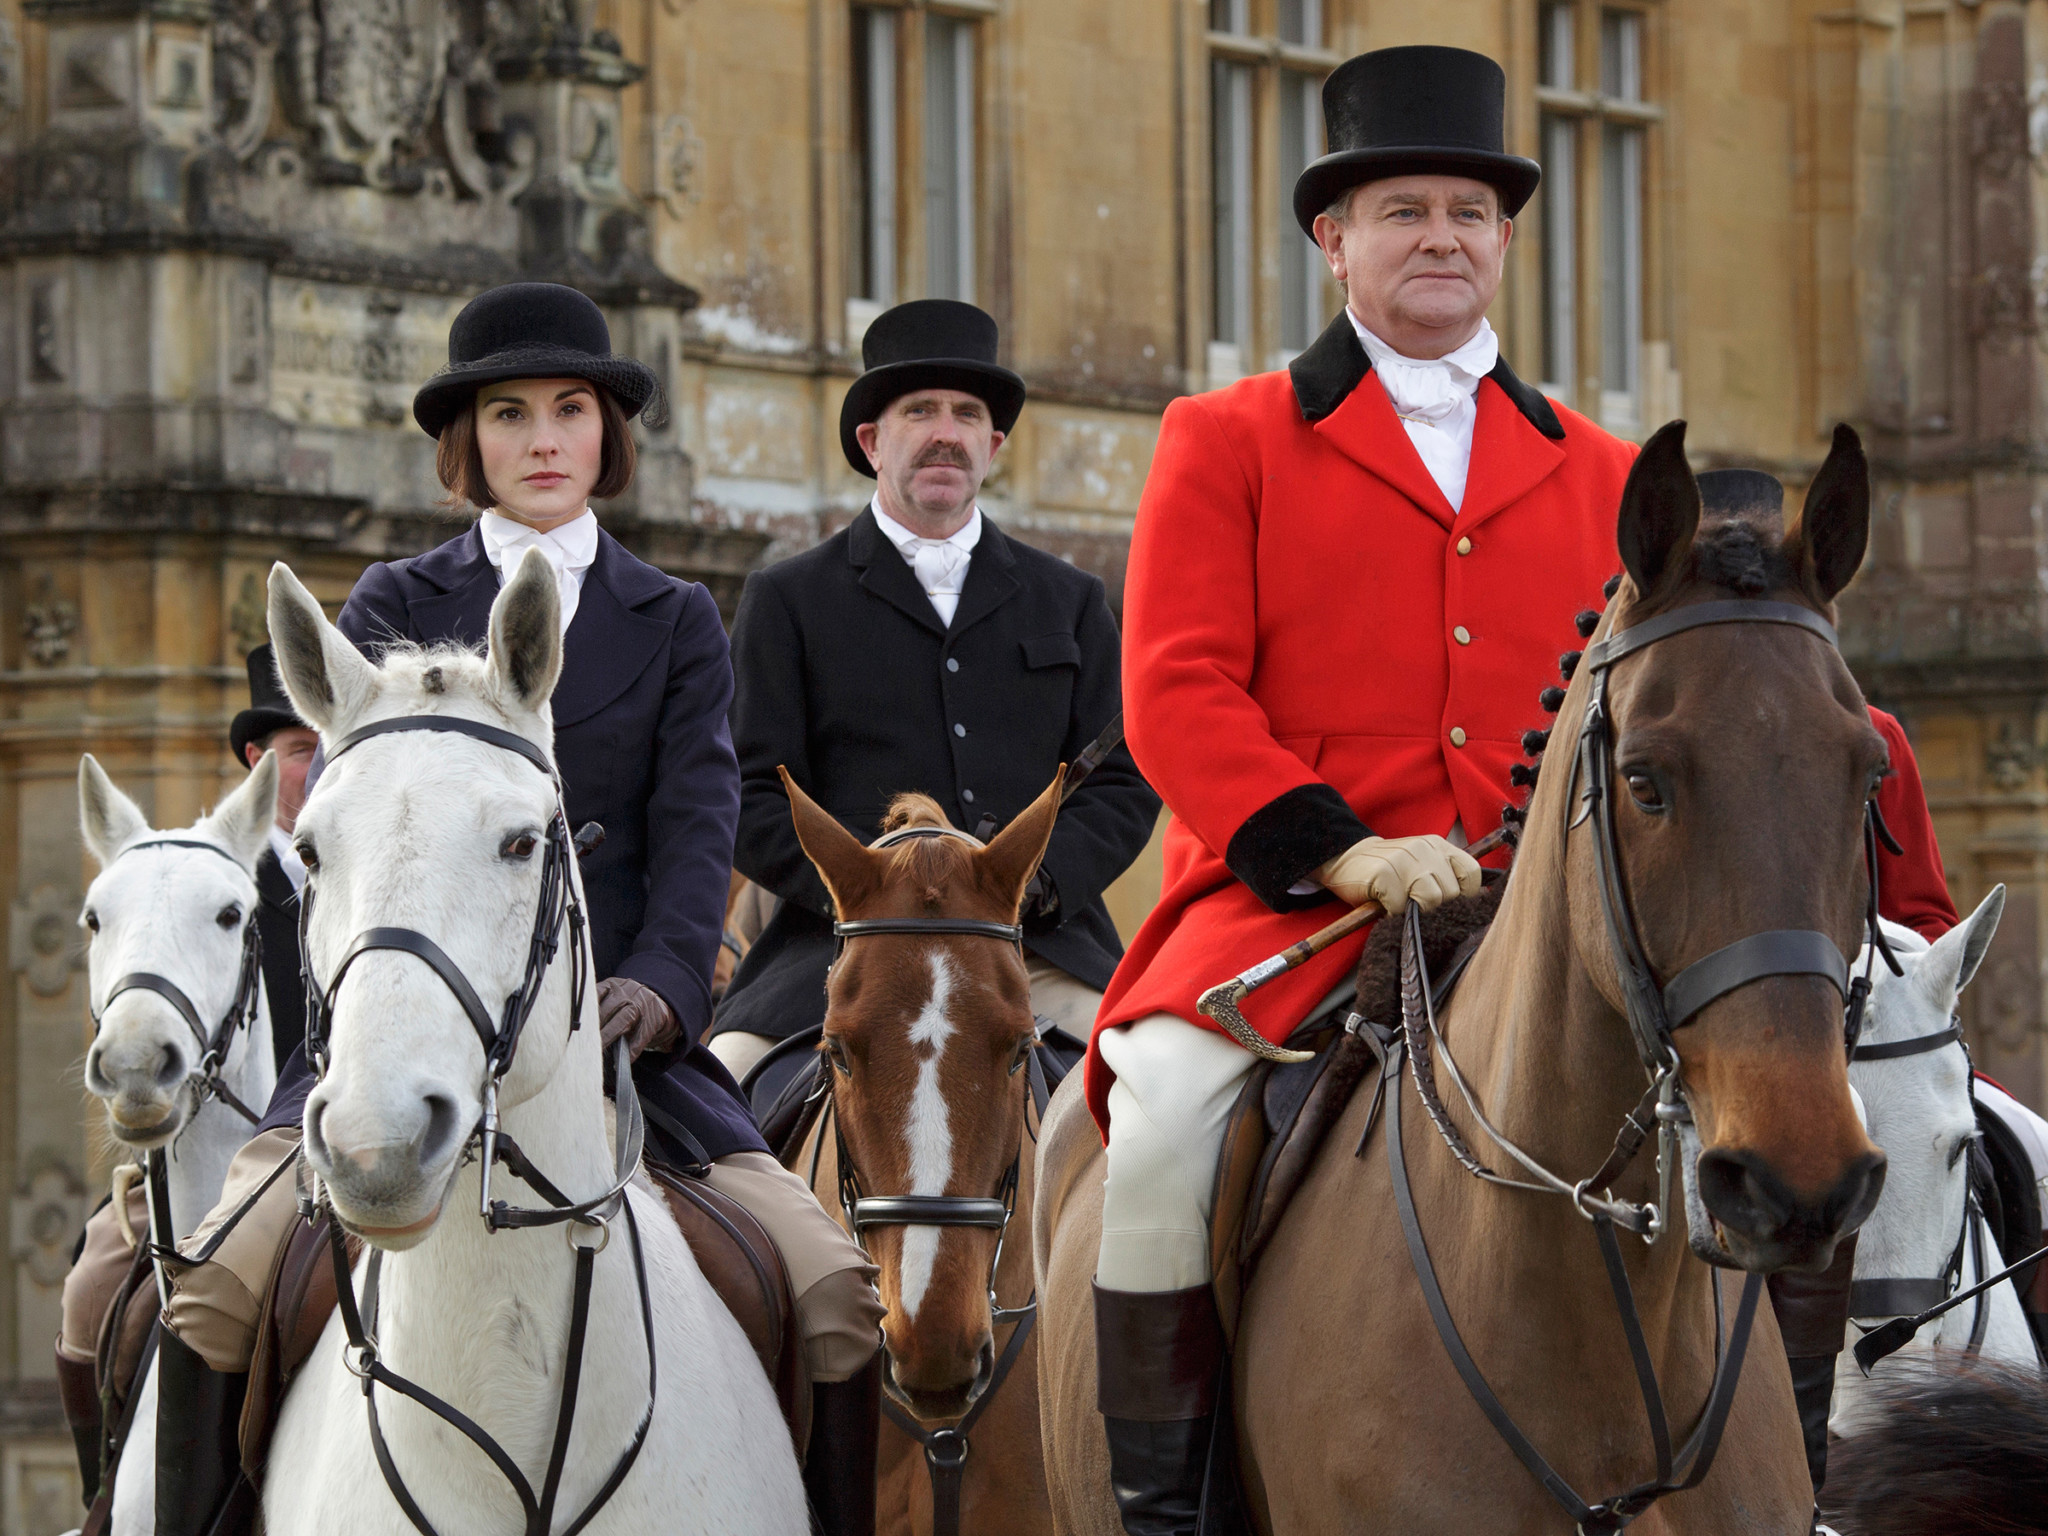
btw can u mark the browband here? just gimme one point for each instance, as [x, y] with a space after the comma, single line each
[183, 842]
[454, 725]
[929, 1211]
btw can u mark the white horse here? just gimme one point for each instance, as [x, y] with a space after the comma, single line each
[177, 905]
[448, 836]
[1919, 1110]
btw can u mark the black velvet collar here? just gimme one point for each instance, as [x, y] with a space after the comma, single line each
[1336, 363]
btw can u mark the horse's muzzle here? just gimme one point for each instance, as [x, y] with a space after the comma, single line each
[1745, 1216]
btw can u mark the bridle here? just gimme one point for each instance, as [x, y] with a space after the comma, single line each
[214, 1046]
[946, 1448]
[1654, 1012]
[1905, 1297]
[559, 904]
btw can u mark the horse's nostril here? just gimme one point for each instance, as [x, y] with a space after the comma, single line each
[96, 1079]
[1743, 1195]
[1852, 1200]
[316, 1133]
[441, 1130]
[170, 1068]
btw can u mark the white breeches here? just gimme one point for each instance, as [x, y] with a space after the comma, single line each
[1174, 1090]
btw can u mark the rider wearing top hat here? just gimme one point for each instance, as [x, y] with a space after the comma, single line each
[923, 648]
[531, 415]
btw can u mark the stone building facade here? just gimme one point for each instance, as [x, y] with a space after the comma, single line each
[233, 232]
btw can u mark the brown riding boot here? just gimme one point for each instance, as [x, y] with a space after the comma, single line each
[839, 1465]
[78, 1389]
[1813, 1317]
[1159, 1357]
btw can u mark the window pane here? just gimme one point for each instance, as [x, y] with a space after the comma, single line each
[1621, 256]
[1231, 131]
[1554, 38]
[873, 189]
[1621, 55]
[949, 158]
[1230, 15]
[1301, 266]
[1301, 22]
[1560, 253]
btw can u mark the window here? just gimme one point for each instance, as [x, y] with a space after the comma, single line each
[1595, 125]
[1266, 69]
[949, 153]
[873, 181]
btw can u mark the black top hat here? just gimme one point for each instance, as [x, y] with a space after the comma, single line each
[927, 344]
[1731, 492]
[269, 709]
[528, 331]
[1414, 111]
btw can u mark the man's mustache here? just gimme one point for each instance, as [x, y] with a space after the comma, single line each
[943, 453]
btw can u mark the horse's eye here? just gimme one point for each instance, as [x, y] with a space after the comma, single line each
[1643, 790]
[835, 1051]
[228, 917]
[308, 855]
[519, 845]
[92, 920]
[1022, 1053]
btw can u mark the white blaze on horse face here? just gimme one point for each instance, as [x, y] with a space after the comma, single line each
[930, 1132]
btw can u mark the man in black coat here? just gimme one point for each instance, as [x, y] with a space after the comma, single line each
[269, 722]
[923, 649]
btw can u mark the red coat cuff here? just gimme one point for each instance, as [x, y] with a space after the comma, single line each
[1287, 839]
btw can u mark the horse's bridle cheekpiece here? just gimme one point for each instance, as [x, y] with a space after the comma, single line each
[1654, 1011]
[558, 904]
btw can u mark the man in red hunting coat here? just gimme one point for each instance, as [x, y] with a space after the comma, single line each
[1348, 583]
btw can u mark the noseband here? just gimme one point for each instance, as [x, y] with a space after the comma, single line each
[241, 1010]
[558, 904]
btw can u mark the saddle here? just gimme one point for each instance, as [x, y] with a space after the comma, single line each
[1284, 1112]
[732, 1249]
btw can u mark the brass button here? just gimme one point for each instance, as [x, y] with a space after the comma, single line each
[1464, 546]
[1462, 635]
[1457, 736]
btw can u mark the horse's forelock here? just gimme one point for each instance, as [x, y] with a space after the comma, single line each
[929, 862]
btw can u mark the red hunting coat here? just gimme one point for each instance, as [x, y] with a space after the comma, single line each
[1315, 645]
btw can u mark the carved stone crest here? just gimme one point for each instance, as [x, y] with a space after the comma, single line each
[366, 77]
[2009, 761]
[48, 624]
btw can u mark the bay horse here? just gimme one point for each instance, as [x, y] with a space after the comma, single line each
[181, 1055]
[561, 1363]
[1927, 1238]
[1715, 797]
[923, 1143]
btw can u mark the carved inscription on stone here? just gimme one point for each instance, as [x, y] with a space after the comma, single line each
[347, 357]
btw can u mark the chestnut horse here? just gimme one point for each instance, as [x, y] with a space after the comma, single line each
[930, 1041]
[1740, 755]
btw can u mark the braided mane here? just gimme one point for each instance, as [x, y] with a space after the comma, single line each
[929, 863]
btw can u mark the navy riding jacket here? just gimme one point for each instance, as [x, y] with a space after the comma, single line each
[643, 748]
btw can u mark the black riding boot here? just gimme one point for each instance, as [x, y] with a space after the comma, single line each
[1813, 1388]
[1158, 1358]
[839, 1466]
[198, 1463]
[1813, 1319]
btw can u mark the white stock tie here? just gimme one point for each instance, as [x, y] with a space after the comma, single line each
[571, 549]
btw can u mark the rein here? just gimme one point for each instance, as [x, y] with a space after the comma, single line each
[1654, 1012]
[558, 905]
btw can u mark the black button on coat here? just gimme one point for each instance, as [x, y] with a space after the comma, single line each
[642, 745]
[847, 676]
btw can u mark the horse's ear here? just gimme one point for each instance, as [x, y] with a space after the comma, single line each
[1834, 525]
[242, 821]
[1011, 858]
[526, 632]
[1952, 960]
[1660, 509]
[325, 677]
[850, 871]
[1980, 926]
[108, 818]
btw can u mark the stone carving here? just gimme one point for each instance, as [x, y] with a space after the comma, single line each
[246, 34]
[248, 619]
[2010, 760]
[366, 77]
[2010, 1009]
[677, 156]
[10, 68]
[489, 157]
[95, 72]
[48, 625]
[1998, 128]
[47, 1216]
[43, 940]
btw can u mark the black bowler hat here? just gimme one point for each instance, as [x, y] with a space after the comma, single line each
[1409, 112]
[927, 344]
[1731, 492]
[269, 709]
[528, 331]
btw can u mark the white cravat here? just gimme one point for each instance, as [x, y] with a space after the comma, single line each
[288, 858]
[570, 548]
[940, 565]
[1436, 401]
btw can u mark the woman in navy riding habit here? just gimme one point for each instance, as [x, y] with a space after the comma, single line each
[532, 415]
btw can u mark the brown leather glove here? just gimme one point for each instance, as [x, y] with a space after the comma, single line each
[1396, 870]
[625, 1007]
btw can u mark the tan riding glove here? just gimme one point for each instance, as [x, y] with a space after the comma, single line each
[1396, 870]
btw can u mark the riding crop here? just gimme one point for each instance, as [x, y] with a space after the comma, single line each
[1898, 1333]
[1223, 1002]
